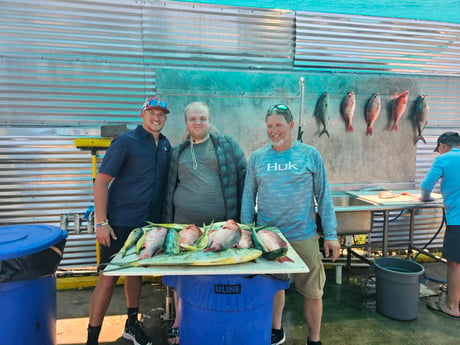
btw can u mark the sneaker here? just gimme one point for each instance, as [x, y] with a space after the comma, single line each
[136, 334]
[278, 336]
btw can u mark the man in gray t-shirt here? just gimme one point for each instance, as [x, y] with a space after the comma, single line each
[205, 180]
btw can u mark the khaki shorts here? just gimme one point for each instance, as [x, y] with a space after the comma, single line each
[310, 284]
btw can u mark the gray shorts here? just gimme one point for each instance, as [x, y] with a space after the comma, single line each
[311, 284]
[451, 245]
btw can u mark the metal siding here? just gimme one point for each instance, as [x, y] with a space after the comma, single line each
[336, 42]
[68, 67]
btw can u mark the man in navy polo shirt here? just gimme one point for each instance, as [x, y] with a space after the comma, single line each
[128, 192]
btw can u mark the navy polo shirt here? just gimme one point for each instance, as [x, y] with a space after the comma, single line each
[139, 168]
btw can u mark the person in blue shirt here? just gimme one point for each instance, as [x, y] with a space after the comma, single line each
[128, 192]
[284, 179]
[446, 167]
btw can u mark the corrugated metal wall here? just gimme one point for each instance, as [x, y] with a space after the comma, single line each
[68, 67]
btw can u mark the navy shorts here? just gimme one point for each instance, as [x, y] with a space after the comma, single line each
[451, 246]
[122, 233]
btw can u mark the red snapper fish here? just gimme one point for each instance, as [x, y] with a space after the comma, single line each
[347, 108]
[227, 236]
[246, 239]
[397, 109]
[189, 235]
[154, 241]
[372, 112]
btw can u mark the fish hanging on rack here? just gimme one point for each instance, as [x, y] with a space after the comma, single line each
[421, 116]
[322, 112]
[372, 112]
[398, 107]
[347, 110]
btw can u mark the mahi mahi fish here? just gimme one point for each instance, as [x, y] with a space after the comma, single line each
[398, 107]
[372, 112]
[421, 116]
[322, 112]
[347, 108]
[132, 239]
[171, 246]
[154, 241]
[195, 258]
[227, 236]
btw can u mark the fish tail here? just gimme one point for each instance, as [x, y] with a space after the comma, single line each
[350, 128]
[394, 127]
[420, 137]
[284, 259]
[324, 131]
[369, 130]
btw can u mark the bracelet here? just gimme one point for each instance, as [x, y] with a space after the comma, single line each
[104, 222]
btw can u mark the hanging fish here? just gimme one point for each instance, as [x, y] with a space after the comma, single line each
[347, 109]
[398, 107]
[421, 116]
[372, 112]
[322, 112]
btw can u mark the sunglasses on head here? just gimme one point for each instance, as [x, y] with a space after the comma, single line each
[281, 107]
[156, 103]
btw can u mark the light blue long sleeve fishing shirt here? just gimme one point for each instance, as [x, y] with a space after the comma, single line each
[283, 186]
[446, 167]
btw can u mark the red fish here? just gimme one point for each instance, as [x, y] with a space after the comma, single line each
[154, 242]
[372, 112]
[245, 240]
[348, 110]
[225, 237]
[397, 108]
[189, 235]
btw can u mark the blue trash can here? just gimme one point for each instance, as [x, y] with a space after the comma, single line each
[29, 256]
[226, 310]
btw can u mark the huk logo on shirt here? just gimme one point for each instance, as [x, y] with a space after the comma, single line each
[282, 167]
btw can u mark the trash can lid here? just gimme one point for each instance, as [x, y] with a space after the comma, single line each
[20, 240]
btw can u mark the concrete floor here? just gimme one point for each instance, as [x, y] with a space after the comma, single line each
[350, 316]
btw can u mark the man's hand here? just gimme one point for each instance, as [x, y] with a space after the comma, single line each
[332, 249]
[104, 234]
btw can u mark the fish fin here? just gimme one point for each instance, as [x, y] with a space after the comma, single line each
[350, 128]
[420, 137]
[369, 130]
[324, 131]
[394, 127]
[284, 259]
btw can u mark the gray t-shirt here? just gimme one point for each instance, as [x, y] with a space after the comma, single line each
[198, 196]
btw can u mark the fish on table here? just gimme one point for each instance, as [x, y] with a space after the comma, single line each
[272, 245]
[347, 110]
[154, 241]
[227, 236]
[398, 107]
[322, 112]
[132, 239]
[245, 240]
[373, 107]
[171, 246]
[421, 116]
[189, 235]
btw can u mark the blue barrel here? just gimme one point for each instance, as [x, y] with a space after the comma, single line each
[29, 256]
[226, 310]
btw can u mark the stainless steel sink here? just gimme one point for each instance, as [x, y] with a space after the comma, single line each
[351, 219]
